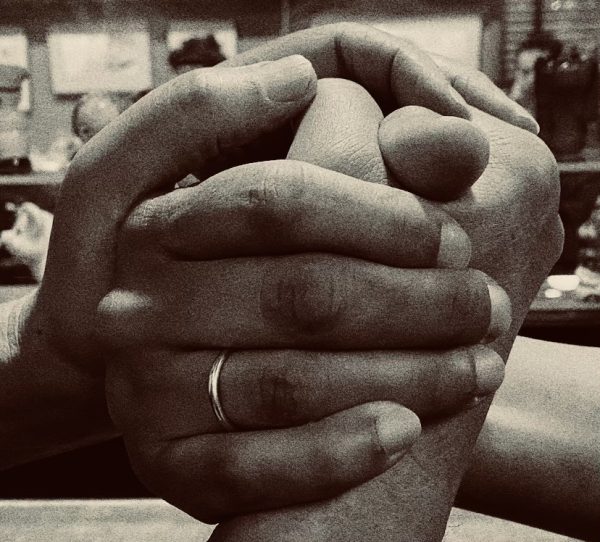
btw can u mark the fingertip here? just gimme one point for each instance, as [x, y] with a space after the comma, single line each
[528, 123]
[397, 430]
[500, 312]
[289, 79]
[455, 247]
[436, 157]
[458, 106]
[489, 371]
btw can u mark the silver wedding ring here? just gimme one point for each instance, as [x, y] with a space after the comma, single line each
[213, 390]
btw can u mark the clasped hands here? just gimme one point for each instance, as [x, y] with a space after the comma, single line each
[347, 304]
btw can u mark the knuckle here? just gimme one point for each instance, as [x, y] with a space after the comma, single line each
[279, 389]
[468, 78]
[463, 305]
[147, 220]
[309, 297]
[271, 199]
[190, 92]
[359, 455]
[528, 159]
[119, 320]
[348, 28]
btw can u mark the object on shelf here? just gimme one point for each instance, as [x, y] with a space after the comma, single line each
[57, 157]
[538, 45]
[13, 123]
[588, 269]
[563, 283]
[566, 90]
[15, 166]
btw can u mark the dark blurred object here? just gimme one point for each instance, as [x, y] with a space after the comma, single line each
[202, 52]
[15, 166]
[577, 200]
[588, 269]
[537, 46]
[100, 471]
[566, 90]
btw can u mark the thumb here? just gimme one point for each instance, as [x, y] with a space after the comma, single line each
[180, 127]
[339, 132]
[436, 157]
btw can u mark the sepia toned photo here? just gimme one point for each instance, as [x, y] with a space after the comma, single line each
[300, 271]
[108, 61]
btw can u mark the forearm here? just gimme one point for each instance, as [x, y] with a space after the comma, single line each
[538, 456]
[46, 405]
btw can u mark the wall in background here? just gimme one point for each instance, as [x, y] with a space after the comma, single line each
[256, 21]
[50, 114]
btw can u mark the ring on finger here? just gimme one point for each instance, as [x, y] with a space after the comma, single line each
[213, 390]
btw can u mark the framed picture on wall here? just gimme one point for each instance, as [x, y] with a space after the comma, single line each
[205, 41]
[117, 61]
[13, 52]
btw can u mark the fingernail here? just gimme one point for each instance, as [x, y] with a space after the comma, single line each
[489, 372]
[461, 103]
[397, 431]
[455, 247]
[524, 119]
[500, 313]
[528, 123]
[288, 79]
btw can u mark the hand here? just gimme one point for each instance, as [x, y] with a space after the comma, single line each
[233, 243]
[393, 70]
[51, 355]
[412, 500]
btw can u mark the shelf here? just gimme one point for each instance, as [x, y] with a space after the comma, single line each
[579, 167]
[33, 179]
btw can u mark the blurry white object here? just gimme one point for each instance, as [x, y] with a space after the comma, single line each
[457, 37]
[551, 293]
[111, 60]
[224, 32]
[27, 241]
[57, 157]
[563, 283]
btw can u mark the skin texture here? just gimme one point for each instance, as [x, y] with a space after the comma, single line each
[531, 487]
[48, 321]
[504, 219]
[166, 262]
[132, 278]
[57, 324]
